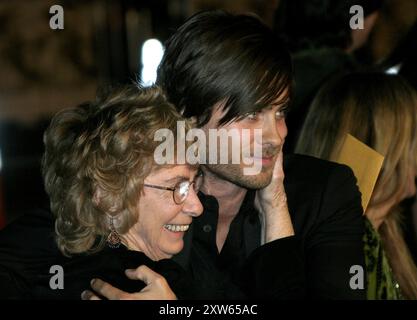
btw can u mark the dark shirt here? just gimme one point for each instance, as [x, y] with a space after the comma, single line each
[26, 245]
[325, 207]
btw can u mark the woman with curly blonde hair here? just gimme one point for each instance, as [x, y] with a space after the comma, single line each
[115, 205]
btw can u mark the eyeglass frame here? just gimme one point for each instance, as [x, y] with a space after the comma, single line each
[190, 183]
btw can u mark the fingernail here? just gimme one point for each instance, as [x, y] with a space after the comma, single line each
[128, 271]
[92, 282]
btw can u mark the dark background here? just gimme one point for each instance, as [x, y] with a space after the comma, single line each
[45, 70]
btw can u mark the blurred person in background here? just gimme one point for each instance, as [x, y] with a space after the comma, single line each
[394, 36]
[408, 70]
[381, 111]
[322, 44]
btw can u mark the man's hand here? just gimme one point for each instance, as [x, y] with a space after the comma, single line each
[271, 202]
[156, 288]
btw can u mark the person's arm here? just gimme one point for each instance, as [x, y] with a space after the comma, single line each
[157, 287]
[271, 202]
[335, 243]
[280, 270]
[275, 269]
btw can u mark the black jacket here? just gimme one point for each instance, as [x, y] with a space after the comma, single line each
[109, 265]
[325, 207]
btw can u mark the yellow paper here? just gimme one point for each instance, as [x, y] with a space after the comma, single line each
[366, 164]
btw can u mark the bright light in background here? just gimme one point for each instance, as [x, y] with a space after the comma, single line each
[394, 69]
[152, 52]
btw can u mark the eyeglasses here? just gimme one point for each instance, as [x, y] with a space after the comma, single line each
[181, 190]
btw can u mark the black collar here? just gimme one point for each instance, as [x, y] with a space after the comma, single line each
[203, 228]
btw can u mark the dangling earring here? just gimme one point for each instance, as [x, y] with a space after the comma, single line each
[113, 239]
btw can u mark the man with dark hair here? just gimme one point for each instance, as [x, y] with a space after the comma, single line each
[259, 236]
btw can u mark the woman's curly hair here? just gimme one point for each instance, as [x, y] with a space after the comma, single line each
[96, 158]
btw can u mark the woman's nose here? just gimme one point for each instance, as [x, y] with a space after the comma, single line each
[192, 204]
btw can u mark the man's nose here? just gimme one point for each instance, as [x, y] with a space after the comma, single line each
[192, 204]
[273, 131]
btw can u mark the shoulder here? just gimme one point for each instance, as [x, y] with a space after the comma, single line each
[26, 245]
[319, 191]
[31, 235]
[310, 170]
[326, 210]
[30, 221]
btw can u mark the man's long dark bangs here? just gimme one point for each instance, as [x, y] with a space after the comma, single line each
[261, 85]
[274, 87]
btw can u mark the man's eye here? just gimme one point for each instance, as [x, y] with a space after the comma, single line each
[252, 116]
[281, 114]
